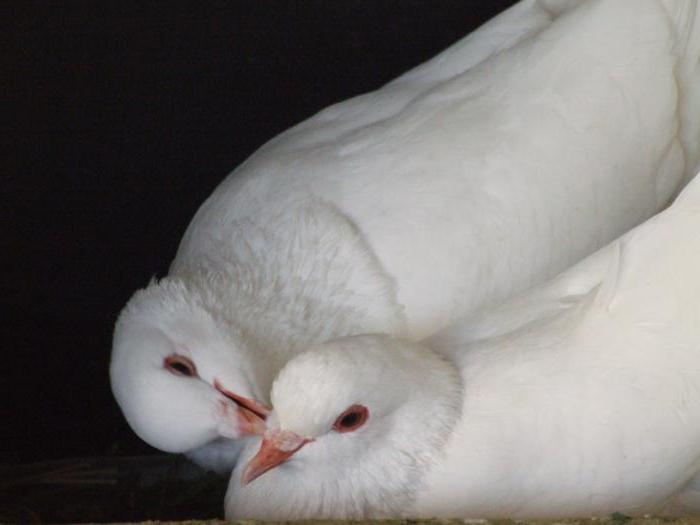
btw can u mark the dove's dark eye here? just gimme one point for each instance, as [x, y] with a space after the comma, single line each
[352, 419]
[180, 366]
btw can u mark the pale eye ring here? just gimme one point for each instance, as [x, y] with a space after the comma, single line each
[352, 419]
[180, 366]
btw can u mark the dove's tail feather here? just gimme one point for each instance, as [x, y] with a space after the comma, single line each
[686, 502]
[504, 31]
[685, 17]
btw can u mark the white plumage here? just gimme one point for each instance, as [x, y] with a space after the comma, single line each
[587, 406]
[529, 144]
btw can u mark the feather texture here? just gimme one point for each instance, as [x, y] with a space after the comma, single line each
[526, 146]
[584, 409]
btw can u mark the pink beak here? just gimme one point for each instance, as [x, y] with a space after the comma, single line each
[277, 447]
[250, 414]
[249, 422]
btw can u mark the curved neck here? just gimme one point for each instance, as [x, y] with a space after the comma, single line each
[296, 278]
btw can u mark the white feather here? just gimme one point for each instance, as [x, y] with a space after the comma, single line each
[584, 409]
[513, 154]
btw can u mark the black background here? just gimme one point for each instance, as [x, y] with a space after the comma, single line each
[121, 119]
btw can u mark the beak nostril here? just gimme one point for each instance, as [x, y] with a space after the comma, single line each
[276, 447]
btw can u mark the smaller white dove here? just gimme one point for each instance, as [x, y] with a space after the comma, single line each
[580, 398]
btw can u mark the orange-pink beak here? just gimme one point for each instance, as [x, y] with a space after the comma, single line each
[277, 447]
[250, 415]
[250, 423]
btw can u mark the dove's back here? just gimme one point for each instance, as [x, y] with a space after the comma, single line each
[500, 162]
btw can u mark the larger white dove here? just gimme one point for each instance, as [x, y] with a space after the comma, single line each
[588, 406]
[535, 140]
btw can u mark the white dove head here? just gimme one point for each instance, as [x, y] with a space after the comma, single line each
[181, 376]
[356, 423]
